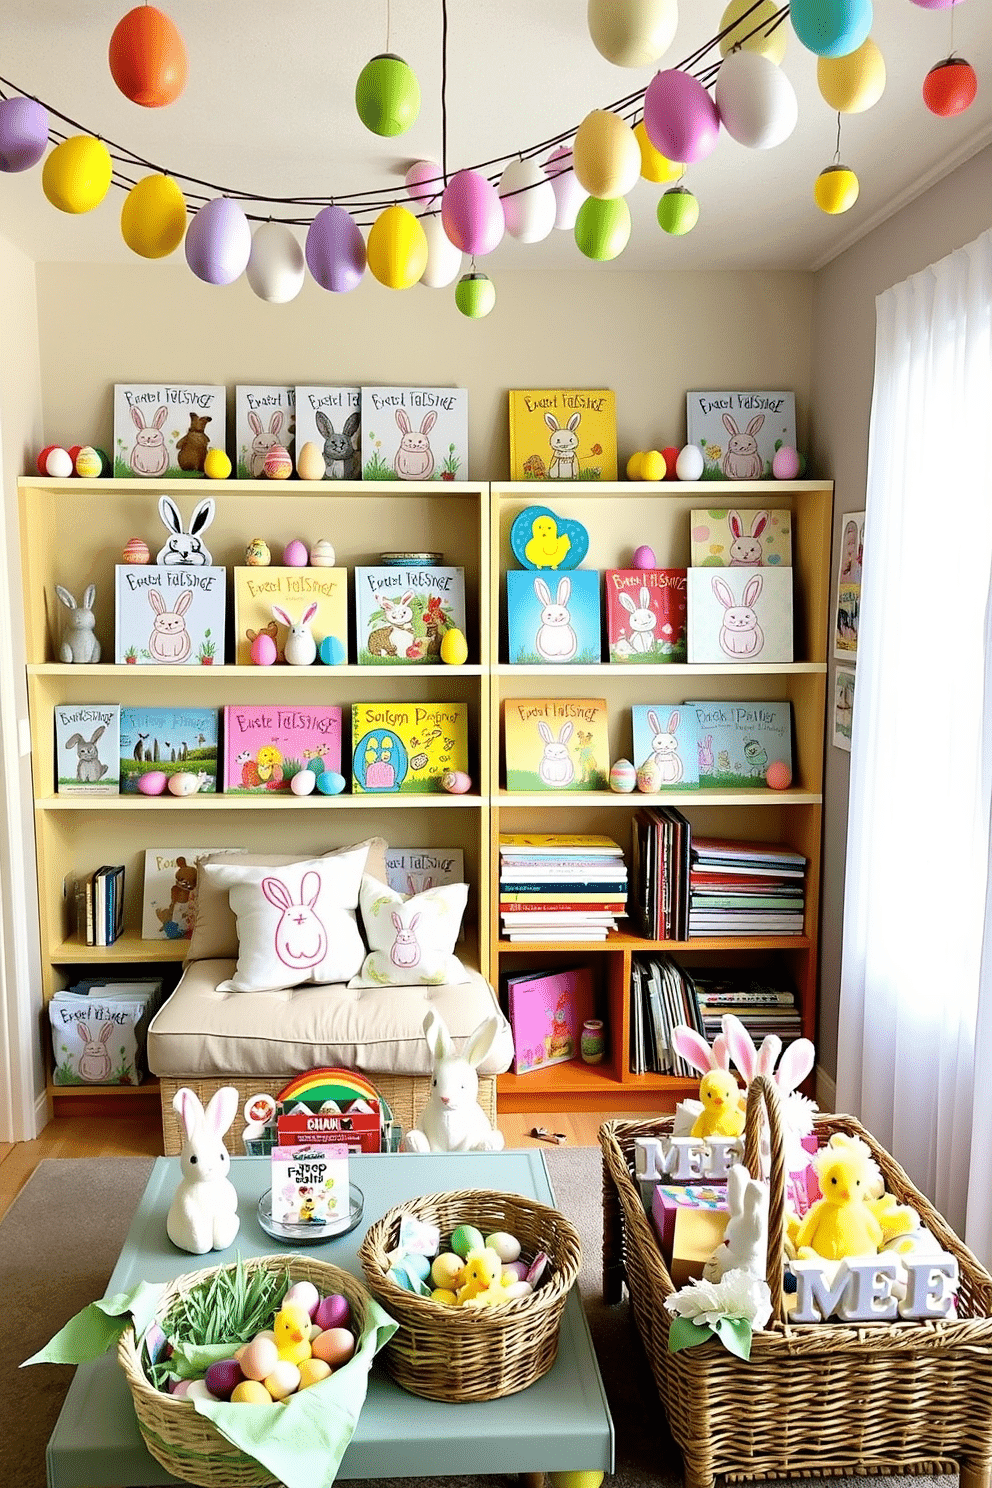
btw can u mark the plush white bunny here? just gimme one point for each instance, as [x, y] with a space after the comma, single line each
[204, 1211]
[744, 1246]
[301, 648]
[453, 1120]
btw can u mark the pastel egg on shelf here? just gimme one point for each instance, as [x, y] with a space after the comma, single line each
[322, 553]
[454, 647]
[310, 462]
[257, 554]
[263, 650]
[152, 782]
[330, 783]
[136, 551]
[623, 776]
[295, 554]
[278, 463]
[331, 652]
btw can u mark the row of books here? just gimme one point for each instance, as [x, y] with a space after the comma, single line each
[560, 886]
[100, 905]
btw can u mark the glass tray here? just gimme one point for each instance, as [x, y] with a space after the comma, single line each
[311, 1234]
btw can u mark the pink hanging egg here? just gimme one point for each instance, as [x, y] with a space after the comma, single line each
[263, 649]
[680, 117]
[472, 212]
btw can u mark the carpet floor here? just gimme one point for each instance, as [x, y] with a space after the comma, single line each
[61, 1238]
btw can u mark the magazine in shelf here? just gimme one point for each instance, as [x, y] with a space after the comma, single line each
[553, 618]
[263, 418]
[414, 433]
[739, 432]
[402, 613]
[740, 615]
[563, 434]
[737, 741]
[87, 749]
[171, 740]
[162, 431]
[168, 905]
[412, 870]
[265, 745]
[331, 418]
[546, 1010]
[666, 737]
[556, 744]
[169, 615]
[745, 537]
[407, 747]
[293, 590]
[646, 614]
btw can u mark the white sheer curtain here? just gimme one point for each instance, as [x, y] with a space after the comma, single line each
[915, 1029]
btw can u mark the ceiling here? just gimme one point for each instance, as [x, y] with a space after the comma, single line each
[269, 109]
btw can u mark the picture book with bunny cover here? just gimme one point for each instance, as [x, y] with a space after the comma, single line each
[162, 431]
[666, 737]
[278, 600]
[646, 615]
[737, 741]
[87, 749]
[553, 618]
[402, 612]
[331, 418]
[414, 433]
[170, 740]
[738, 433]
[169, 616]
[563, 434]
[263, 418]
[740, 615]
[407, 747]
[265, 745]
[745, 538]
[556, 744]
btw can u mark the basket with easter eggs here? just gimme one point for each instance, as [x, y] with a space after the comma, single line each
[477, 1282]
[244, 1366]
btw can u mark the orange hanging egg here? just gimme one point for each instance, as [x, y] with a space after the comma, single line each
[148, 57]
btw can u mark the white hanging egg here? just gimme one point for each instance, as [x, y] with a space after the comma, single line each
[276, 266]
[444, 260]
[757, 103]
[529, 203]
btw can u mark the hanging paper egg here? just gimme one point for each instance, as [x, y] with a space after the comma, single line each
[278, 464]
[690, 463]
[424, 180]
[87, 463]
[217, 464]
[654, 166]
[569, 193]
[153, 217]
[387, 95]
[263, 651]
[218, 242]
[831, 28]
[136, 551]
[322, 554]
[295, 554]
[623, 776]
[331, 651]
[747, 25]
[335, 250]
[835, 189]
[606, 156]
[454, 647]
[854, 83]
[475, 295]
[472, 213]
[950, 87]
[757, 103]
[147, 57]
[310, 462]
[444, 260]
[678, 211]
[303, 783]
[397, 248]
[276, 267]
[76, 175]
[634, 33]
[680, 116]
[528, 198]
[23, 133]
[602, 227]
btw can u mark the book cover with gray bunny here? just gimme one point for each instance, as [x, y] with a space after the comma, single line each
[263, 417]
[331, 419]
[162, 431]
[87, 749]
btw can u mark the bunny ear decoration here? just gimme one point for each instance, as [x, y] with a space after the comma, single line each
[721, 1053]
[795, 1065]
[741, 1046]
[693, 1048]
[187, 1104]
[222, 1108]
[169, 512]
[481, 1040]
[771, 1048]
[203, 515]
[437, 1036]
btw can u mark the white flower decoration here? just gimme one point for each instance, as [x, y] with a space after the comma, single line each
[738, 1294]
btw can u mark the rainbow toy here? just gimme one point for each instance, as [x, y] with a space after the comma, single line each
[316, 1086]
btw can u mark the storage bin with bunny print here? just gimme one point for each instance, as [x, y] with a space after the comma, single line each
[162, 431]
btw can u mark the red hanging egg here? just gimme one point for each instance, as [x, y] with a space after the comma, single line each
[148, 57]
[950, 87]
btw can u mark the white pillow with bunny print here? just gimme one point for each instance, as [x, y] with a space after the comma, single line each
[411, 936]
[296, 923]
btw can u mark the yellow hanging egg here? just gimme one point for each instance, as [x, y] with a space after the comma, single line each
[835, 189]
[310, 462]
[655, 166]
[153, 217]
[853, 83]
[454, 647]
[76, 175]
[397, 248]
[755, 30]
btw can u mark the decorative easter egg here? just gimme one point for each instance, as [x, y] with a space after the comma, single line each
[258, 1358]
[446, 1270]
[276, 267]
[284, 1380]
[312, 1371]
[540, 538]
[106, 466]
[333, 1311]
[217, 464]
[649, 777]
[303, 1294]
[23, 133]
[678, 211]
[198, 1391]
[222, 1377]
[397, 248]
[644, 557]
[147, 57]
[88, 463]
[335, 250]
[322, 554]
[310, 462]
[263, 650]
[456, 782]
[831, 28]
[76, 175]
[653, 465]
[330, 783]
[331, 651]
[250, 1392]
[757, 103]
[153, 217]
[778, 776]
[623, 777]
[42, 461]
[506, 1246]
[152, 783]
[295, 554]
[218, 241]
[518, 1269]
[465, 1238]
[74, 450]
[58, 463]
[278, 464]
[257, 553]
[454, 647]
[671, 455]
[185, 783]
[303, 783]
[689, 465]
[444, 260]
[680, 117]
[785, 463]
[634, 465]
[136, 551]
[602, 227]
[472, 212]
[335, 1346]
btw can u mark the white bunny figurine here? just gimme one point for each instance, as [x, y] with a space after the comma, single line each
[740, 633]
[453, 1120]
[204, 1211]
[744, 1246]
[556, 768]
[301, 648]
[556, 640]
[642, 620]
[181, 548]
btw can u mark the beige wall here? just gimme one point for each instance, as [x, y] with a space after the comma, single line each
[950, 214]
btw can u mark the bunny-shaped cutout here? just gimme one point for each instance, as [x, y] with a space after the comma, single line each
[94, 1063]
[556, 768]
[665, 748]
[740, 633]
[149, 455]
[556, 640]
[414, 459]
[746, 550]
[453, 1120]
[300, 936]
[181, 547]
[742, 460]
[300, 648]
[642, 620]
[169, 641]
[203, 1214]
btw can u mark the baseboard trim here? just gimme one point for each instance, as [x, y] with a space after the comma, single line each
[826, 1090]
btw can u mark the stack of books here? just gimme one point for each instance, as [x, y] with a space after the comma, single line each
[764, 1002]
[560, 886]
[100, 905]
[661, 999]
[745, 888]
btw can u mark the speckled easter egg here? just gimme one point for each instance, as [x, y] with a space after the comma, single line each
[310, 462]
[331, 652]
[136, 551]
[623, 776]
[785, 463]
[295, 554]
[322, 553]
[778, 775]
[649, 777]
[88, 463]
[303, 783]
[278, 465]
[152, 783]
[263, 650]
[454, 647]
[257, 554]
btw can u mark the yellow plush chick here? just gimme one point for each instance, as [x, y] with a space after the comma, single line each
[481, 1285]
[546, 548]
[723, 1111]
[292, 1330]
[841, 1223]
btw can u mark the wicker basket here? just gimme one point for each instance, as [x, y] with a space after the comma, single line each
[814, 1399]
[466, 1353]
[176, 1435]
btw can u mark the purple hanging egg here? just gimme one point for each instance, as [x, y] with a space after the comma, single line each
[335, 250]
[23, 133]
[218, 242]
[680, 117]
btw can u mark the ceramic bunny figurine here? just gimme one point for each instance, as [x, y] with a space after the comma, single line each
[744, 1246]
[452, 1120]
[79, 644]
[204, 1211]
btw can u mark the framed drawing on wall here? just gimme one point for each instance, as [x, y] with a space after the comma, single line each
[843, 709]
[852, 532]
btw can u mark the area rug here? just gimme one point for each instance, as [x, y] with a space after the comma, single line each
[61, 1238]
